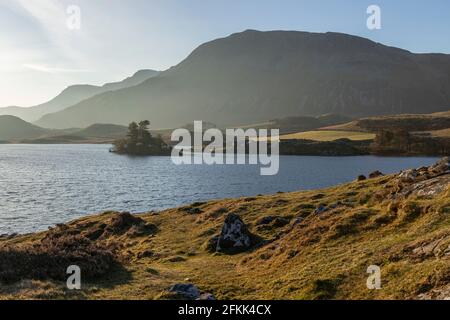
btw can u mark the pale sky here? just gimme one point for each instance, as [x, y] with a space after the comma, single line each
[40, 55]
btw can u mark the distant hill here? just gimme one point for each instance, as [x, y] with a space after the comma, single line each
[103, 130]
[15, 128]
[255, 76]
[73, 95]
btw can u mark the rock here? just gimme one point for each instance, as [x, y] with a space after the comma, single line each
[441, 167]
[297, 221]
[376, 174]
[234, 238]
[206, 296]
[185, 291]
[361, 177]
[320, 209]
[192, 210]
[408, 175]
[441, 293]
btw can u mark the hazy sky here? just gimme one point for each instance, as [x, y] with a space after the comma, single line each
[40, 55]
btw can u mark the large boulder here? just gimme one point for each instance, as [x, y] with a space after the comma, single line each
[440, 167]
[417, 175]
[408, 176]
[234, 238]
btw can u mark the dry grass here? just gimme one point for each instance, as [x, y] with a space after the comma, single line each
[329, 135]
[445, 133]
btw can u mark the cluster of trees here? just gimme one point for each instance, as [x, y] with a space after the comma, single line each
[402, 142]
[139, 141]
[392, 141]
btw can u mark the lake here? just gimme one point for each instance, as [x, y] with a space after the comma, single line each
[42, 185]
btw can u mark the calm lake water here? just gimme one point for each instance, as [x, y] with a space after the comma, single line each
[41, 185]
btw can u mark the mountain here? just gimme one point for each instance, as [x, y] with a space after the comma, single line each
[73, 95]
[96, 133]
[15, 128]
[256, 76]
[103, 130]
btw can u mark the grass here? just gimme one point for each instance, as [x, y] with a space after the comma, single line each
[329, 135]
[314, 256]
[445, 133]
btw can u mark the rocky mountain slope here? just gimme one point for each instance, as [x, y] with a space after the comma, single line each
[301, 245]
[73, 95]
[257, 76]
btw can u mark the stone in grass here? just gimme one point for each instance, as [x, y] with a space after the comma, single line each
[440, 167]
[361, 177]
[234, 238]
[376, 174]
[187, 291]
[320, 209]
[206, 296]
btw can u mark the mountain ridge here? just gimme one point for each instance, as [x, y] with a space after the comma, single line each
[256, 76]
[74, 94]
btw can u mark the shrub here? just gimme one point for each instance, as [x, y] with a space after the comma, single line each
[51, 258]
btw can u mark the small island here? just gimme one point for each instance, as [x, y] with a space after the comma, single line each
[139, 141]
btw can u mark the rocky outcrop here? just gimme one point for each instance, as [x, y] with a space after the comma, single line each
[441, 167]
[234, 237]
[424, 182]
[442, 293]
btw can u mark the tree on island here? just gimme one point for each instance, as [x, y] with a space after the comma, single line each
[139, 141]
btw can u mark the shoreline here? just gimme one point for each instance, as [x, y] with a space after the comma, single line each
[286, 152]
